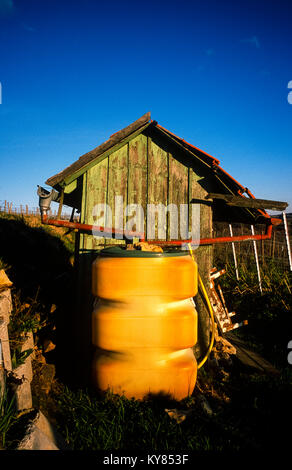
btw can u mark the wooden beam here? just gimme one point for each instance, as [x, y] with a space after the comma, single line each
[240, 201]
[60, 204]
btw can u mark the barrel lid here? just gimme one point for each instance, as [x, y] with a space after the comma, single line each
[120, 252]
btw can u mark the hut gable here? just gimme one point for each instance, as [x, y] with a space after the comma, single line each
[144, 163]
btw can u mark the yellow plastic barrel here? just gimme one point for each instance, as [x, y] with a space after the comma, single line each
[144, 323]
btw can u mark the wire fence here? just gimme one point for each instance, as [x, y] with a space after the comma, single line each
[25, 210]
[276, 249]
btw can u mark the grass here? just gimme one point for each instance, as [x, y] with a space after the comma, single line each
[114, 422]
[8, 414]
[249, 412]
[269, 313]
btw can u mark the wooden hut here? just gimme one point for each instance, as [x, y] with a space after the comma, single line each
[147, 164]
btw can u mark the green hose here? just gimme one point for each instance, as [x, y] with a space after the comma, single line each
[204, 292]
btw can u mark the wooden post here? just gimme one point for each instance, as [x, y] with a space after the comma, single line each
[60, 204]
[273, 243]
[257, 260]
[263, 249]
[234, 253]
[287, 240]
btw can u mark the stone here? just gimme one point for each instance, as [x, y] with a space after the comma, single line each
[43, 378]
[5, 304]
[178, 415]
[5, 282]
[41, 435]
[205, 405]
[48, 345]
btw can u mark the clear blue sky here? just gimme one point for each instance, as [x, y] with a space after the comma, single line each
[214, 73]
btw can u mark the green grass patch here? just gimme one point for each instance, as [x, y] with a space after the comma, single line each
[8, 414]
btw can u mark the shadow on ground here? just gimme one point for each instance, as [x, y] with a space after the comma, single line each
[39, 263]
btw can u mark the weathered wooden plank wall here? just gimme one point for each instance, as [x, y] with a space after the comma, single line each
[137, 176]
[141, 172]
[179, 194]
[157, 180]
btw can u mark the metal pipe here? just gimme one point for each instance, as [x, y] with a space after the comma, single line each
[46, 197]
[102, 231]
[97, 229]
[211, 241]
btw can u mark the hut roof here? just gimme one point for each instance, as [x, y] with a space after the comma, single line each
[79, 166]
[141, 123]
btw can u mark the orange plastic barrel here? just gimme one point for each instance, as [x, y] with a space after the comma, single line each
[144, 322]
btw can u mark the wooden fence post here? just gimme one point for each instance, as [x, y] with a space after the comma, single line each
[287, 240]
[257, 260]
[234, 253]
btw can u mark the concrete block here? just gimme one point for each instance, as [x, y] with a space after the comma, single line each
[5, 312]
[5, 346]
[24, 372]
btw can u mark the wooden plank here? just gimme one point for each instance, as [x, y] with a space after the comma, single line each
[179, 143]
[239, 201]
[157, 177]
[70, 187]
[92, 162]
[96, 193]
[177, 195]
[137, 177]
[60, 204]
[82, 236]
[250, 358]
[117, 188]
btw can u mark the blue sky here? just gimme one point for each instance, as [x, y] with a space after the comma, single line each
[214, 73]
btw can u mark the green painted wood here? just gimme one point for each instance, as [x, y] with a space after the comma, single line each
[101, 157]
[178, 195]
[70, 187]
[181, 146]
[157, 177]
[137, 178]
[96, 193]
[117, 191]
[83, 210]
